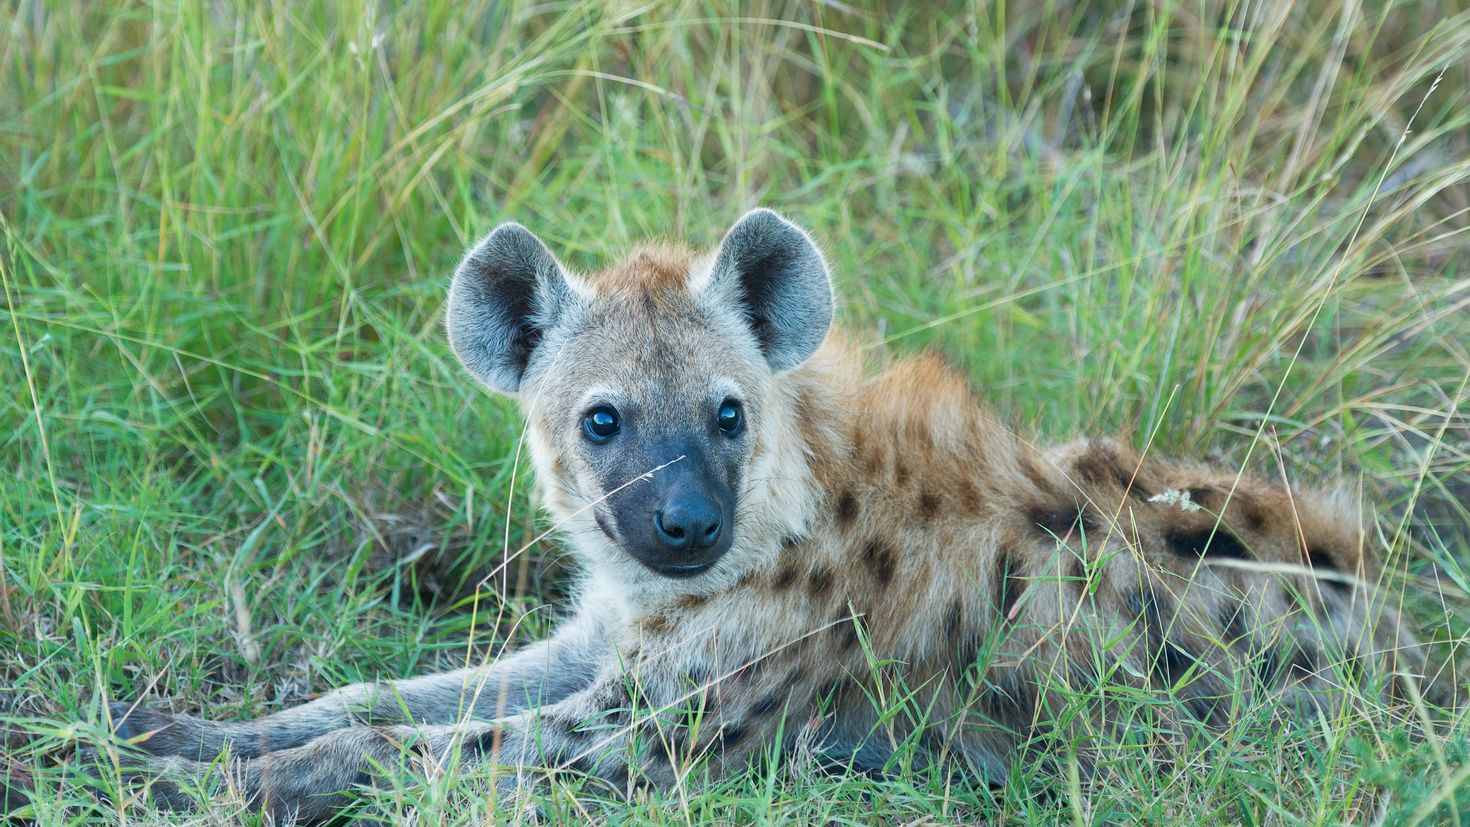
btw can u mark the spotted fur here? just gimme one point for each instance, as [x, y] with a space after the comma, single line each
[888, 528]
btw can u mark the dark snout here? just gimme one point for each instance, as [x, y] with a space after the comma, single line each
[677, 522]
[690, 521]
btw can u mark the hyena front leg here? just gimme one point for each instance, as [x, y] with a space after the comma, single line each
[665, 713]
[542, 673]
[676, 720]
[310, 782]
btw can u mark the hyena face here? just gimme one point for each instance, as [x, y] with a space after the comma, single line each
[646, 387]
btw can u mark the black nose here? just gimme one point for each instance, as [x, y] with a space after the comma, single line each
[688, 524]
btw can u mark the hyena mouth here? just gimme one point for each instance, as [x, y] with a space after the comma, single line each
[679, 571]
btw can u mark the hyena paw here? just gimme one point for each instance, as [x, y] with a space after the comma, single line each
[142, 729]
[131, 723]
[165, 734]
[156, 778]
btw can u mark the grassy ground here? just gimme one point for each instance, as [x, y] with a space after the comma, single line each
[241, 466]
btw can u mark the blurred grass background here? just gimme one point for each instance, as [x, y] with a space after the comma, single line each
[242, 466]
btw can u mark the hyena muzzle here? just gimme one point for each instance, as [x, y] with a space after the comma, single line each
[771, 535]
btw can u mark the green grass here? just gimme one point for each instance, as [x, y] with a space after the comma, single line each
[241, 465]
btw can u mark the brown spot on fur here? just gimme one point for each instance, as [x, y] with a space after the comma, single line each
[790, 543]
[847, 509]
[1217, 543]
[1059, 522]
[880, 558]
[792, 680]
[1132, 482]
[1032, 471]
[785, 576]
[870, 465]
[767, 704]
[969, 496]
[1322, 561]
[729, 736]
[658, 624]
[689, 602]
[1101, 464]
[819, 581]
[1251, 510]
[844, 628]
[900, 471]
[1204, 498]
[928, 505]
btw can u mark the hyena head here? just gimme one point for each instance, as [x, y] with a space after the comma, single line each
[648, 389]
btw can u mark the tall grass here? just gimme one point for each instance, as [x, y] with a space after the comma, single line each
[244, 467]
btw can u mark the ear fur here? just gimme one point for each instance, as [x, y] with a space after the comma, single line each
[775, 273]
[507, 292]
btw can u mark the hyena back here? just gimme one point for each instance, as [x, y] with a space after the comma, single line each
[770, 534]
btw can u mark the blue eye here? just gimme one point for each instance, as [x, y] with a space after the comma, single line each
[730, 419]
[601, 424]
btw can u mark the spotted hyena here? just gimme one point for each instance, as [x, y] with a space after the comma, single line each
[771, 536]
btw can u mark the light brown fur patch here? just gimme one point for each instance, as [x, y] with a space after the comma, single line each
[652, 270]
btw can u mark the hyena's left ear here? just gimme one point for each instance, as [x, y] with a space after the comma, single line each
[773, 271]
[507, 293]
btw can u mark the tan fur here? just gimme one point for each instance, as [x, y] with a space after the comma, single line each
[891, 535]
[653, 270]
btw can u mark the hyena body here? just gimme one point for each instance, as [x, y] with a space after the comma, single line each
[772, 537]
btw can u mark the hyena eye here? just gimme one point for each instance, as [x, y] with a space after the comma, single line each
[601, 424]
[730, 418]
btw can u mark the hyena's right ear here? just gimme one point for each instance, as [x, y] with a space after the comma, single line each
[506, 293]
[772, 270]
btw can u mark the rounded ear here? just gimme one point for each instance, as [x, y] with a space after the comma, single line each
[774, 273]
[506, 293]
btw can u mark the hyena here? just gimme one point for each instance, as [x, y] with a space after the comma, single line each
[771, 535]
